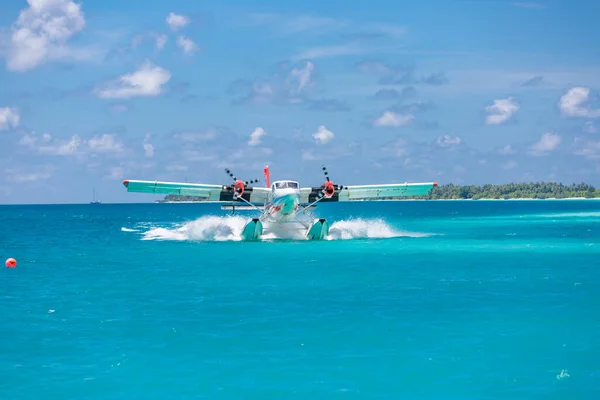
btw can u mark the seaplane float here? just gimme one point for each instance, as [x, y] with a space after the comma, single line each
[283, 205]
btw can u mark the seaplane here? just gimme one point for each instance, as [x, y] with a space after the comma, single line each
[282, 205]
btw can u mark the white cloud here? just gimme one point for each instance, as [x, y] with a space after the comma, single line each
[161, 41]
[147, 80]
[256, 136]
[547, 143]
[448, 141]
[9, 117]
[303, 76]
[148, 147]
[46, 144]
[61, 149]
[176, 21]
[42, 31]
[105, 144]
[572, 103]
[501, 110]
[187, 44]
[390, 118]
[323, 135]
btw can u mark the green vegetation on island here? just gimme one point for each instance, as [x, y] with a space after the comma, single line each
[535, 190]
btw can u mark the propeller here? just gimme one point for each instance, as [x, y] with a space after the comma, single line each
[238, 185]
[328, 188]
[246, 183]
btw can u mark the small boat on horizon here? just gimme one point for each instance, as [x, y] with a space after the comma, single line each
[94, 200]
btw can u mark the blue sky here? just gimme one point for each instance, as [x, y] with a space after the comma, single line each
[465, 92]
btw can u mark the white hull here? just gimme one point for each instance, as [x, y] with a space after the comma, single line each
[316, 229]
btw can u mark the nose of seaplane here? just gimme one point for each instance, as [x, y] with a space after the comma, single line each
[288, 200]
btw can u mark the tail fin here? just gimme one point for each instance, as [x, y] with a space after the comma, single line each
[267, 176]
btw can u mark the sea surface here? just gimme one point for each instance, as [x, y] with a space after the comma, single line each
[405, 300]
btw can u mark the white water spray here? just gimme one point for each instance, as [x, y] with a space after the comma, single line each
[216, 228]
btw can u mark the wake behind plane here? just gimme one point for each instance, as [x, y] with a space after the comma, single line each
[283, 205]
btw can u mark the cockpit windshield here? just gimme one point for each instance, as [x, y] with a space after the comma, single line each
[286, 184]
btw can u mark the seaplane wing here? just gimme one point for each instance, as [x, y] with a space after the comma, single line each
[205, 192]
[367, 192]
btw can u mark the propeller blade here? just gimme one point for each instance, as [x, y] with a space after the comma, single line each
[325, 172]
[230, 174]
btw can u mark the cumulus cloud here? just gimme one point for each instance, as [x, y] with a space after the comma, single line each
[106, 143]
[448, 141]
[501, 110]
[176, 21]
[41, 33]
[300, 78]
[323, 135]
[547, 143]
[147, 80]
[75, 146]
[187, 45]
[390, 118]
[46, 144]
[573, 102]
[256, 136]
[9, 118]
[64, 148]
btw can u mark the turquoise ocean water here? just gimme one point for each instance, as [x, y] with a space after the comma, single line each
[409, 300]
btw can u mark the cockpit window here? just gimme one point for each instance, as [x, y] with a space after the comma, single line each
[286, 184]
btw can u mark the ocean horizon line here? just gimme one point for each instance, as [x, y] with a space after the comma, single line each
[229, 202]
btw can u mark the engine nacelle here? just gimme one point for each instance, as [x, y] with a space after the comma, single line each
[328, 189]
[238, 189]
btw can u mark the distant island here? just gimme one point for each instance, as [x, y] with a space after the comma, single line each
[509, 191]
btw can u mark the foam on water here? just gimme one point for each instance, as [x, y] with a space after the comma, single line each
[209, 228]
[366, 229]
[215, 228]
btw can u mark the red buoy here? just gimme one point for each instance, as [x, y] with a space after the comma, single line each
[11, 263]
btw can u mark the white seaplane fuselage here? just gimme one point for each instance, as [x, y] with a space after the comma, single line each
[283, 201]
[284, 216]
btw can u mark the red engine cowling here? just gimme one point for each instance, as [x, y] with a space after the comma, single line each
[329, 189]
[238, 188]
